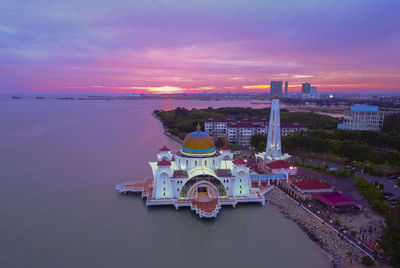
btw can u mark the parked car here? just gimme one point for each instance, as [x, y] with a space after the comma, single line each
[395, 177]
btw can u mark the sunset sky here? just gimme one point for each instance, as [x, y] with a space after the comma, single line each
[122, 46]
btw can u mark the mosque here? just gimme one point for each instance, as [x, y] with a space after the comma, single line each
[203, 178]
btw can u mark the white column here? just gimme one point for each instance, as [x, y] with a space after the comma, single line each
[273, 148]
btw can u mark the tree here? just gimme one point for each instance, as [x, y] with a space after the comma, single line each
[257, 138]
[334, 145]
[366, 260]
[350, 255]
[391, 122]
[261, 146]
[391, 236]
[220, 142]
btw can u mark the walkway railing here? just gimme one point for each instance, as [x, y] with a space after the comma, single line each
[329, 225]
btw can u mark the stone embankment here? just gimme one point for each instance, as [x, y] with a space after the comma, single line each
[328, 239]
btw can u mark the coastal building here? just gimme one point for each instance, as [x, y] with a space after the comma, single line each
[362, 117]
[280, 166]
[202, 178]
[336, 201]
[304, 189]
[240, 132]
[275, 88]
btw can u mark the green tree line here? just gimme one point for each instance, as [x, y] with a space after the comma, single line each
[347, 145]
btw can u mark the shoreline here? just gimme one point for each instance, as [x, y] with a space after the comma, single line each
[335, 247]
[332, 245]
[166, 133]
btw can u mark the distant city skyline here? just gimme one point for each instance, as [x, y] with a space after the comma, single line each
[196, 46]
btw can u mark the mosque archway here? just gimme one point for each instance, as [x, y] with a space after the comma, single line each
[214, 187]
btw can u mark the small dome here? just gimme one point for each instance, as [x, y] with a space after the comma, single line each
[198, 143]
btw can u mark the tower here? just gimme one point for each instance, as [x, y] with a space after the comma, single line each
[275, 88]
[306, 88]
[273, 150]
[286, 88]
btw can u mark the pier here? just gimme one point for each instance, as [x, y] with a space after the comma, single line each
[204, 208]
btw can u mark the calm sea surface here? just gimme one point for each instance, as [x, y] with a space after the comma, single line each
[59, 162]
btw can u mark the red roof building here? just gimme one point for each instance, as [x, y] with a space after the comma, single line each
[304, 189]
[239, 161]
[164, 149]
[278, 164]
[312, 184]
[335, 199]
[225, 148]
[164, 163]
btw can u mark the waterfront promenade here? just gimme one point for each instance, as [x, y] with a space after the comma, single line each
[328, 235]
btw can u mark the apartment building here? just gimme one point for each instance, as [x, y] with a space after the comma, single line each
[240, 132]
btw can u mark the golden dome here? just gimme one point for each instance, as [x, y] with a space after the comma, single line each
[198, 143]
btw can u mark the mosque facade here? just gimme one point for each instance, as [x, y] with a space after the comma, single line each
[203, 178]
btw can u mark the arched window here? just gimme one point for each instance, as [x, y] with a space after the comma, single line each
[213, 162]
[195, 163]
[205, 162]
[187, 162]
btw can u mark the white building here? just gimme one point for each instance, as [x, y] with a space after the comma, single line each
[291, 128]
[240, 132]
[217, 127]
[362, 117]
[200, 177]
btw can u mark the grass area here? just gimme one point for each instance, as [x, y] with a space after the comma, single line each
[342, 172]
[367, 167]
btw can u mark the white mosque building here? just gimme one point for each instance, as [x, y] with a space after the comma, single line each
[202, 178]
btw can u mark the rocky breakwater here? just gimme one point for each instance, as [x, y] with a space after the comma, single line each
[328, 239]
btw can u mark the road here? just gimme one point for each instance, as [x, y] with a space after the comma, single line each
[389, 184]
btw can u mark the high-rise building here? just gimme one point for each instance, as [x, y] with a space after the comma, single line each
[313, 91]
[276, 88]
[306, 88]
[286, 87]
